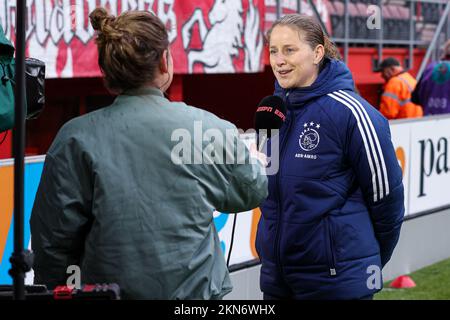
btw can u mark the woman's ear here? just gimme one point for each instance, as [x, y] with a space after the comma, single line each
[164, 63]
[319, 53]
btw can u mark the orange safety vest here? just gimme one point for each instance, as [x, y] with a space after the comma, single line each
[396, 99]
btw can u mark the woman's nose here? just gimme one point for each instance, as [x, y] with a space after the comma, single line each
[279, 60]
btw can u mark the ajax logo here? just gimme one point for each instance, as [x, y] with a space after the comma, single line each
[309, 138]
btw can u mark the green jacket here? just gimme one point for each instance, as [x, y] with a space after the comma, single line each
[112, 201]
[6, 83]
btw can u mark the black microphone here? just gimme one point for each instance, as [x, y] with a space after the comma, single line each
[270, 114]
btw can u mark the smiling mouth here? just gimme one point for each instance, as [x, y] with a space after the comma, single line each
[284, 72]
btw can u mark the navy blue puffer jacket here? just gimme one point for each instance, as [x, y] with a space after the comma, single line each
[336, 205]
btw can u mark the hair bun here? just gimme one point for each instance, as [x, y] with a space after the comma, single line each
[98, 18]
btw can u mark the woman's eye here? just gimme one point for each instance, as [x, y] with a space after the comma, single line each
[272, 51]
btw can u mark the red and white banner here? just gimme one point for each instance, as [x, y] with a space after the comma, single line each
[206, 36]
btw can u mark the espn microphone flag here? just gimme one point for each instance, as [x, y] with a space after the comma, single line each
[270, 115]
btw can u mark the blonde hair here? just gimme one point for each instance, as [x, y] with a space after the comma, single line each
[130, 47]
[312, 32]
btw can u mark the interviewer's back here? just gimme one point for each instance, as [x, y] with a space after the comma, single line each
[114, 200]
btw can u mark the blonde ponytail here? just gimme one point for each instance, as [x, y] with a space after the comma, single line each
[331, 51]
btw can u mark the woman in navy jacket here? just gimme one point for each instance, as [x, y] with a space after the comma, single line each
[335, 207]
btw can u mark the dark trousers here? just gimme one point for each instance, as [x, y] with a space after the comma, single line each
[369, 297]
[267, 296]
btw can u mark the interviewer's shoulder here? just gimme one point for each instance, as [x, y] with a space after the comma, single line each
[81, 130]
[209, 119]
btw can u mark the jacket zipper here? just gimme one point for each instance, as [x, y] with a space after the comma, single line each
[331, 256]
[277, 184]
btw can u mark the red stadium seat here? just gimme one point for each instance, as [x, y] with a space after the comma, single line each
[352, 10]
[362, 9]
[336, 10]
[339, 7]
[404, 13]
[358, 12]
[390, 23]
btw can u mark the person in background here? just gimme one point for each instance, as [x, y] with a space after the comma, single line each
[114, 197]
[433, 89]
[6, 85]
[396, 98]
[335, 207]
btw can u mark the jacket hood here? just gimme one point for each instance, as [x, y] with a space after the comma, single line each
[6, 47]
[334, 76]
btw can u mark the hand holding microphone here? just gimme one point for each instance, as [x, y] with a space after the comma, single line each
[255, 153]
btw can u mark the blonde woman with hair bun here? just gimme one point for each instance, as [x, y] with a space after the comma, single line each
[116, 199]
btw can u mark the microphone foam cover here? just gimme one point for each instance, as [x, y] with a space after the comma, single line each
[270, 114]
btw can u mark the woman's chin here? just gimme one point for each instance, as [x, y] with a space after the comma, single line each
[285, 84]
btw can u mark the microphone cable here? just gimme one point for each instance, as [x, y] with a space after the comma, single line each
[232, 239]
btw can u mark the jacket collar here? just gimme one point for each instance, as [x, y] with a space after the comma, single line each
[334, 76]
[144, 91]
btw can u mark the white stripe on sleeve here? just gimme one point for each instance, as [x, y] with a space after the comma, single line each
[377, 141]
[366, 145]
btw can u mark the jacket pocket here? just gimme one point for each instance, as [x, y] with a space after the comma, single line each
[329, 243]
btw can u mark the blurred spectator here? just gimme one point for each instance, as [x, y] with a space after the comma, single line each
[433, 89]
[396, 98]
